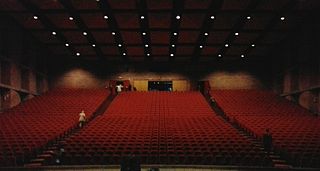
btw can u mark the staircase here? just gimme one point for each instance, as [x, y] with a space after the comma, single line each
[48, 155]
[276, 160]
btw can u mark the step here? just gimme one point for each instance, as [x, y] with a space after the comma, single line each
[44, 156]
[37, 160]
[278, 161]
[282, 166]
[33, 165]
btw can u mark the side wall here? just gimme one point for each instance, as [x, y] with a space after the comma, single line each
[22, 73]
[298, 72]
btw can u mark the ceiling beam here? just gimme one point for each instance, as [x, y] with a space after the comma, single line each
[206, 27]
[112, 22]
[177, 11]
[82, 26]
[238, 26]
[47, 23]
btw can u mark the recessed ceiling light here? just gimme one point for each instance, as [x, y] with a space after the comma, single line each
[35, 17]
[148, 54]
[200, 46]
[67, 44]
[173, 45]
[144, 33]
[178, 17]
[97, 0]
[242, 56]
[171, 54]
[105, 17]
[70, 18]
[119, 45]
[226, 45]
[93, 45]
[113, 33]
[175, 33]
[248, 17]
[146, 45]
[54, 33]
[84, 33]
[236, 33]
[206, 34]
[124, 54]
[142, 17]
[282, 18]
[219, 55]
[212, 17]
[78, 54]
[253, 45]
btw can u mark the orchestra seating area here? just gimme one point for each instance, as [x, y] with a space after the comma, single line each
[295, 130]
[32, 124]
[161, 128]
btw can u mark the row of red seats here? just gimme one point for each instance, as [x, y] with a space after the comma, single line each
[188, 131]
[32, 124]
[294, 129]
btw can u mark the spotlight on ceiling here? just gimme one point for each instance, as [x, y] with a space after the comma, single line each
[124, 54]
[200, 46]
[35, 17]
[78, 54]
[178, 17]
[253, 45]
[67, 44]
[175, 33]
[113, 33]
[93, 45]
[212, 17]
[105, 17]
[206, 34]
[144, 33]
[173, 45]
[70, 18]
[171, 54]
[141, 17]
[236, 33]
[242, 56]
[85, 33]
[54, 33]
[226, 45]
[248, 17]
[282, 18]
[219, 55]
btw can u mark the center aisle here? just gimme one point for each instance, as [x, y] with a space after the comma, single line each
[161, 128]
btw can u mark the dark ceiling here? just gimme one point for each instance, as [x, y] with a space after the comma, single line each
[160, 30]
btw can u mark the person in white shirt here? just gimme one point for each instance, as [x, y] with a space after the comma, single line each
[82, 118]
[119, 88]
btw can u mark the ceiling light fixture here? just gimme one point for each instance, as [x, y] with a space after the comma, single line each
[219, 55]
[148, 54]
[93, 45]
[253, 45]
[70, 18]
[78, 54]
[242, 56]
[212, 17]
[175, 33]
[85, 33]
[142, 17]
[206, 34]
[282, 18]
[248, 17]
[35, 17]
[113, 33]
[178, 17]
[105, 17]
[124, 54]
[54, 33]
[67, 44]
[226, 45]
[119, 45]
[144, 33]
[236, 33]
[173, 45]
[171, 54]
[200, 46]
[146, 45]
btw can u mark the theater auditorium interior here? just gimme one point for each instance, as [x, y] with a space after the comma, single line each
[165, 85]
